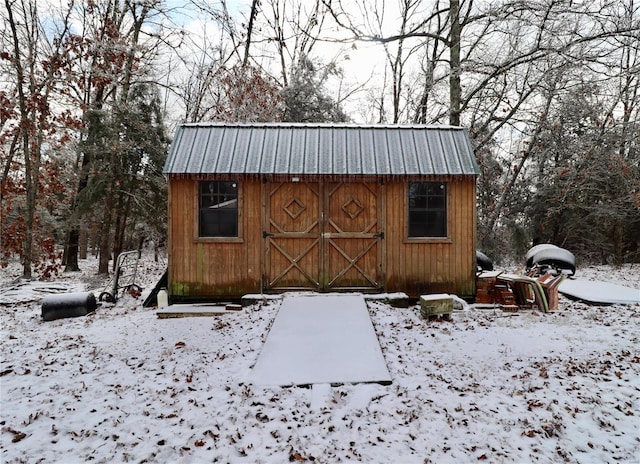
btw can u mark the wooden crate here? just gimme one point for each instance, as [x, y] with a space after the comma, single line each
[436, 305]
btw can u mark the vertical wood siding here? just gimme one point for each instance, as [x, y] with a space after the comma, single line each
[209, 269]
[433, 266]
[205, 268]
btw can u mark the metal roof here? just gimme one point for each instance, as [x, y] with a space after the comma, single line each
[319, 149]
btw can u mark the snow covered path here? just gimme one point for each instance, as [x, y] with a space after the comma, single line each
[321, 339]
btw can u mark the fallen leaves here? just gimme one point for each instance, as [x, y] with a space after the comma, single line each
[17, 435]
[534, 403]
[626, 410]
[449, 400]
[219, 325]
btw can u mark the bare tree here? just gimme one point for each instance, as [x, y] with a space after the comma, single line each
[292, 28]
[544, 43]
[110, 53]
[421, 34]
[36, 61]
[203, 56]
[92, 80]
[252, 17]
[507, 64]
[277, 34]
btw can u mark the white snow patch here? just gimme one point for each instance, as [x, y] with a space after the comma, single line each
[321, 339]
[27, 291]
[121, 385]
[600, 292]
[320, 396]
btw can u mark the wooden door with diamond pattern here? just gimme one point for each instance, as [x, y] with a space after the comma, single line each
[322, 236]
[292, 232]
[352, 236]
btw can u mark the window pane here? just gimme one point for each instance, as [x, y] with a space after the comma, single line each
[427, 209]
[218, 209]
[437, 203]
[417, 222]
[436, 224]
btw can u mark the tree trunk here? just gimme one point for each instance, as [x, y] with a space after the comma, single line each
[252, 15]
[27, 246]
[122, 215]
[117, 237]
[70, 258]
[455, 88]
[105, 235]
[83, 243]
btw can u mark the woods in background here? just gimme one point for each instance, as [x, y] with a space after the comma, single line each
[90, 91]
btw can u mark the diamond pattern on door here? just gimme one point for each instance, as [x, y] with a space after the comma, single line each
[352, 208]
[294, 208]
[322, 236]
[292, 234]
[352, 236]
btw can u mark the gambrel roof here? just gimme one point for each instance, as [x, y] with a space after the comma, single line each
[320, 149]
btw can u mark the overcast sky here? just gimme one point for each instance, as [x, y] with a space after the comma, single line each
[363, 64]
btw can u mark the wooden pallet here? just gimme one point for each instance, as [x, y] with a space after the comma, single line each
[178, 311]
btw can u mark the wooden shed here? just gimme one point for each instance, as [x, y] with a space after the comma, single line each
[259, 208]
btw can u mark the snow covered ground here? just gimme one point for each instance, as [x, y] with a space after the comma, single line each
[122, 385]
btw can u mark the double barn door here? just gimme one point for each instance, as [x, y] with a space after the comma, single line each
[323, 236]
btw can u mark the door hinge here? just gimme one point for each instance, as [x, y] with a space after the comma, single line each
[379, 235]
[266, 234]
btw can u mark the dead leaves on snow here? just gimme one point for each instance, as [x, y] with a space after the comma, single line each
[17, 435]
[601, 367]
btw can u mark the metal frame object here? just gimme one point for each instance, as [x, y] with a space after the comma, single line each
[124, 277]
